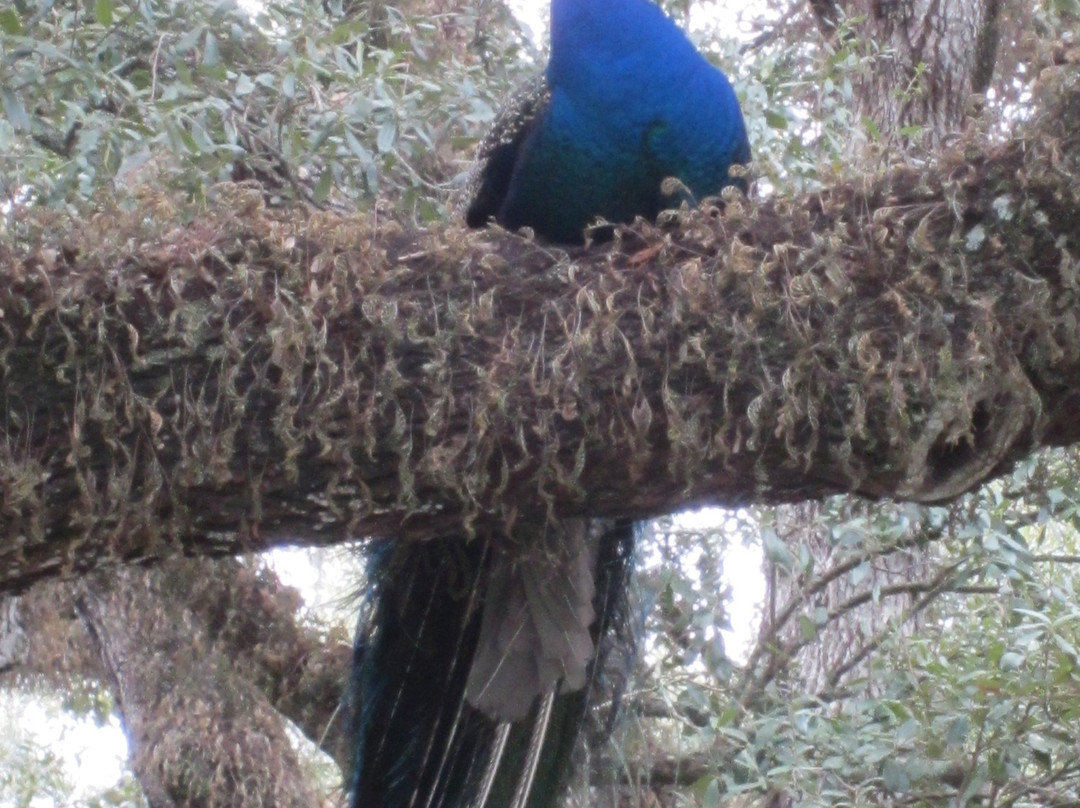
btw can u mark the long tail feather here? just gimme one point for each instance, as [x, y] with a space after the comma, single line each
[493, 764]
[417, 744]
[532, 756]
[438, 614]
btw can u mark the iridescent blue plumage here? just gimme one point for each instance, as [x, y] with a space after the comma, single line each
[625, 102]
[476, 659]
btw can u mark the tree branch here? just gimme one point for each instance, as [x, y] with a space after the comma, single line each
[247, 379]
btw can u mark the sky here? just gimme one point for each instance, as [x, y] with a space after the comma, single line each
[725, 13]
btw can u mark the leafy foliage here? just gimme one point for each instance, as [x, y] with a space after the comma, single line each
[339, 103]
[980, 704]
[36, 766]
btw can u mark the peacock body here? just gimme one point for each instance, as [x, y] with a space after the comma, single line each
[625, 102]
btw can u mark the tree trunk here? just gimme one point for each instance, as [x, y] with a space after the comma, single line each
[927, 58]
[820, 625]
[13, 639]
[191, 684]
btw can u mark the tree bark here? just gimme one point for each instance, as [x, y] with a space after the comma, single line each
[232, 610]
[13, 639]
[926, 58]
[199, 733]
[820, 628]
[247, 379]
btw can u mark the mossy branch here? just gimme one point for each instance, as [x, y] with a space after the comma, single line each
[254, 377]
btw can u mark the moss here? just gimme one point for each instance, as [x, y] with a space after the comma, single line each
[254, 375]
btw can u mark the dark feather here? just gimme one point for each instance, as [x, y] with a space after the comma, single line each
[421, 741]
[497, 153]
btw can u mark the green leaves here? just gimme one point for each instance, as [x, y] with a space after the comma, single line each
[325, 108]
[103, 11]
[975, 689]
[10, 23]
[14, 110]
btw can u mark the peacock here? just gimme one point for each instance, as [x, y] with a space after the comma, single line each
[626, 101]
[477, 656]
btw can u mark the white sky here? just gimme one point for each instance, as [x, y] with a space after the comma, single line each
[725, 13]
[94, 757]
[742, 574]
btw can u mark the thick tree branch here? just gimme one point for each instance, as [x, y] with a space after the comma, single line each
[244, 380]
